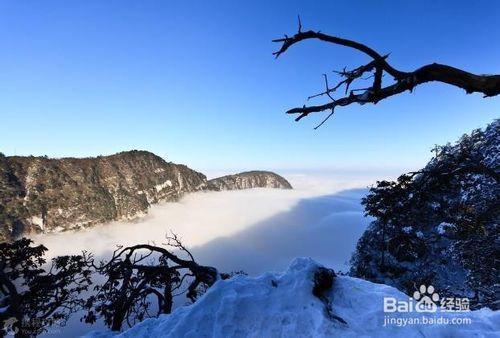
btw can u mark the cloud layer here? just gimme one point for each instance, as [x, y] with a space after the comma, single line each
[247, 219]
[252, 230]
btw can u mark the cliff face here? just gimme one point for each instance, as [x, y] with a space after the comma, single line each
[38, 194]
[249, 179]
[41, 194]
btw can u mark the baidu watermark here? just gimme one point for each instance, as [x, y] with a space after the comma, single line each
[425, 308]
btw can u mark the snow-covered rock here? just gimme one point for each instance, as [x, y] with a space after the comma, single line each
[282, 305]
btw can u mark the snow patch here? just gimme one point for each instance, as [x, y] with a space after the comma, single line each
[38, 221]
[180, 182]
[162, 186]
[441, 229]
[407, 229]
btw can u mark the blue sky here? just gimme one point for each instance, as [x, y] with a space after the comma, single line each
[195, 81]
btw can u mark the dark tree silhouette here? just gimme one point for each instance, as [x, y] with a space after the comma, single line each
[140, 274]
[34, 298]
[489, 85]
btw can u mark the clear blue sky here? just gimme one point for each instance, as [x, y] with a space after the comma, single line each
[195, 81]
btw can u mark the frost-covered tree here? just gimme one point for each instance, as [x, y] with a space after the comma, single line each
[439, 225]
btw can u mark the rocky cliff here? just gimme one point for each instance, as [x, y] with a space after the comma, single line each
[249, 179]
[38, 194]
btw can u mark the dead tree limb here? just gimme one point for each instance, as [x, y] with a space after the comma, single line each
[488, 85]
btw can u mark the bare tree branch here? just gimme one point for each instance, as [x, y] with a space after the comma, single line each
[489, 85]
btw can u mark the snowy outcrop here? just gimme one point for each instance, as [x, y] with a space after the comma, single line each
[248, 180]
[283, 305]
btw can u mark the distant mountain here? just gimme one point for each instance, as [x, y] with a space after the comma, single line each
[249, 179]
[38, 194]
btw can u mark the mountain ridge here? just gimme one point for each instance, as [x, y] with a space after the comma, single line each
[249, 179]
[41, 194]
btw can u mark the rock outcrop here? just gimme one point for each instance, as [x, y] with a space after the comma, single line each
[38, 194]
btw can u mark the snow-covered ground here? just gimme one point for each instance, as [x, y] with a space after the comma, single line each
[282, 305]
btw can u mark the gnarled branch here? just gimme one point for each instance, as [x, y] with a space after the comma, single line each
[489, 85]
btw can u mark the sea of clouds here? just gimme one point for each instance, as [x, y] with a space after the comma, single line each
[254, 230]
